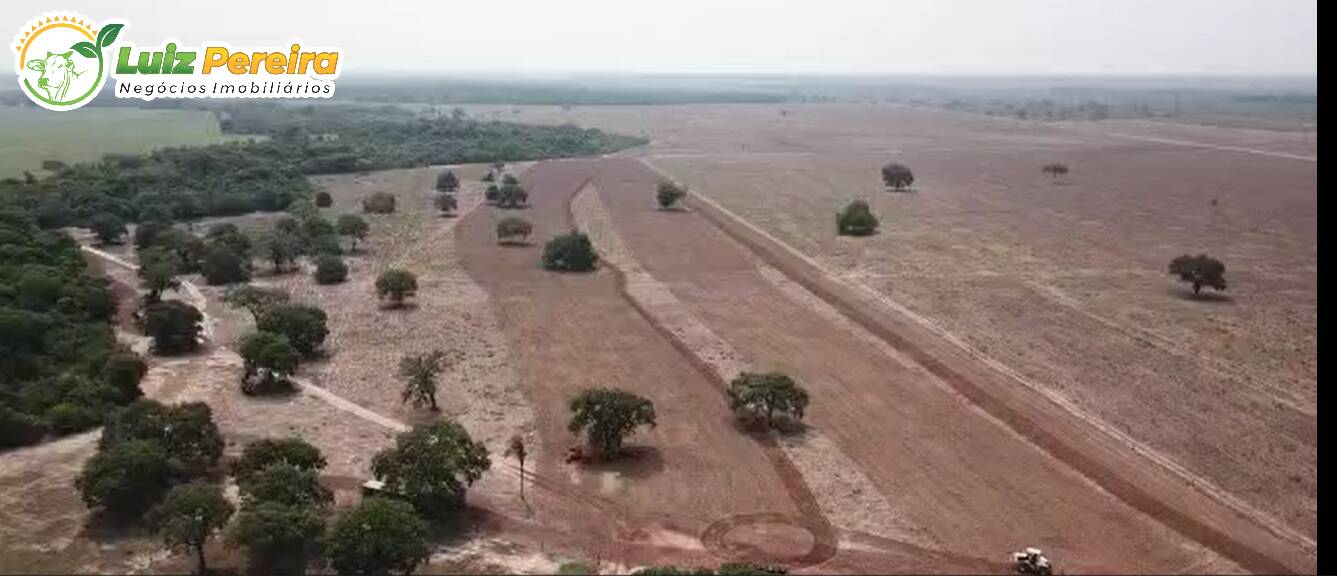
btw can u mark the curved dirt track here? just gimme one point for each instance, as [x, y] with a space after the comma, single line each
[972, 482]
[570, 332]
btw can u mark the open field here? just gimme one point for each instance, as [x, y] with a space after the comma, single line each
[1006, 364]
[33, 135]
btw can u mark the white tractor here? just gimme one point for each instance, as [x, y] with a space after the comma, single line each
[1031, 561]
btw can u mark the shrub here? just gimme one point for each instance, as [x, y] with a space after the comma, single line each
[668, 194]
[447, 182]
[1201, 270]
[353, 226]
[1054, 170]
[107, 227]
[445, 203]
[323, 199]
[571, 252]
[856, 219]
[330, 269]
[304, 326]
[510, 228]
[379, 203]
[396, 285]
[897, 177]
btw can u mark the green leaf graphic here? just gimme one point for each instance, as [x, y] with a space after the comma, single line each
[107, 35]
[85, 49]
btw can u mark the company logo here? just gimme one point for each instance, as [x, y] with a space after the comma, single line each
[63, 59]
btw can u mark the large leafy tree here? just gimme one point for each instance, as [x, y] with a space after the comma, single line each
[304, 326]
[856, 219]
[261, 454]
[254, 299]
[668, 194]
[432, 466]
[571, 252]
[354, 227]
[278, 535]
[268, 360]
[189, 515]
[380, 536]
[125, 479]
[767, 395]
[174, 326]
[107, 227]
[185, 431]
[158, 269]
[607, 416]
[285, 484]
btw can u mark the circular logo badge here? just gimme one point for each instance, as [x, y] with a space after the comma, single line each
[59, 60]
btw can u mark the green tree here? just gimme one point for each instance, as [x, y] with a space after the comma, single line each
[492, 194]
[186, 431]
[419, 372]
[516, 449]
[856, 219]
[749, 569]
[304, 326]
[323, 199]
[396, 285]
[158, 268]
[607, 416]
[125, 479]
[122, 372]
[315, 227]
[107, 227]
[571, 252]
[669, 194]
[511, 194]
[282, 248]
[510, 228]
[174, 326]
[330, 269]
[277, 535]
[189, 515]
[379, 537]
[432, 466]
[1201, 270]
[767, 394]
[231, 236]
[897, 177]
[224, 266]
[268, 360]
[354, 227]
[285, 484]
[447, 182]
[254, 299]
[261, 454]
[379, 203]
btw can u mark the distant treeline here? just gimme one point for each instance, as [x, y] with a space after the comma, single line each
[178, 184]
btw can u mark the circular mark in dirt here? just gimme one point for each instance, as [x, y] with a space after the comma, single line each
[770, 537]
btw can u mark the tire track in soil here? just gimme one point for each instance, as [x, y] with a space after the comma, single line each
[812, 518]
[1225, 542]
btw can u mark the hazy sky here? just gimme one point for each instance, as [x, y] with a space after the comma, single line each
[729, 36]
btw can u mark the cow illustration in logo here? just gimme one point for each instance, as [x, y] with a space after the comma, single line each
[59, 61]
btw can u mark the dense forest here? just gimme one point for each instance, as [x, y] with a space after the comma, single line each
[61, 370]
[60, 367]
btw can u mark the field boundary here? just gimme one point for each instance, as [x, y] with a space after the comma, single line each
[1092, 455]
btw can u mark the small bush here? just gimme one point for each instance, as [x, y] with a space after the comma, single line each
[511, 228]
[330, 269]
[396, 285]
[379, 203]
[323, 199]
[571, 252]
[669, 194]
[856, 220]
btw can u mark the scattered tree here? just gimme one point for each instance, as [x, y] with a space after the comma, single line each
[254, 299]
[511, 194]
[447, 182]
[330, 269]
[1054, 170]
[856, 219]
[571, 252]
[510, 228]
[379, 203]
[107, 227]
[304, 326]
[380, 536]
[1201, 270]
[396, 285]
[432, 466]
[493, 193]
[125, 479]
[325, 244]
[669, 194]
[174, 326]
[419, 372]
[224, 266]
[261, 454]
[354, 227]
[446, 203]
[285, 484]
[323, 199]
[516, 449]
[607, 416]
[186, 432]
[767, 394]
[282, 248]
[897, 176]
[158, 268]
[268, 359]
[189, 515]
[277, 535]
